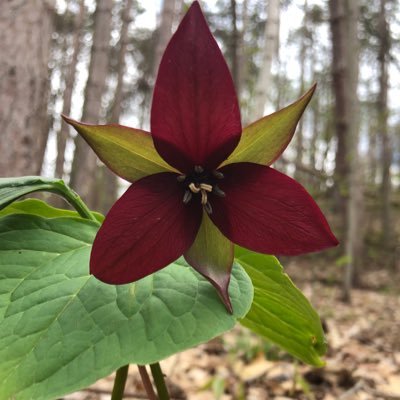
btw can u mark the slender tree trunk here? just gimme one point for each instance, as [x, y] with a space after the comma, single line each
[109, 191]
[303, 50]
[344, 18]
[83, 173]
[269, 53]
[62, 136]
[386, 153]
[26, 28]
[234, 46]
[164, 30]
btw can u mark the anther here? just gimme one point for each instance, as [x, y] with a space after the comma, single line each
[206, 187]
[198, 169]
[194, 188]
[218, 174]
[203, 197]
[218, 191]
[187, 196]
[208, 208]
[181, 178]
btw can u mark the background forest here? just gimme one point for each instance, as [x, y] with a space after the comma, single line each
[97, 61]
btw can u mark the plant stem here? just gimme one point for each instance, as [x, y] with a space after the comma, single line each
[159, 381]
[146, 382]
[119, 383]
[73, 198]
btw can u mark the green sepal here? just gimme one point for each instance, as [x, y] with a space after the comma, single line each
[280, 312]
[211, 254]
[264, 141]
[128, 152]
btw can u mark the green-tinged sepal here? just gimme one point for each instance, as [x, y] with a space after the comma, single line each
[264, 141]
[280, 312]
[211, 255]
[128, 152]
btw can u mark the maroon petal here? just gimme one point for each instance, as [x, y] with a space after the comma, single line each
[266, 211]
[147, 228]
[195, 117]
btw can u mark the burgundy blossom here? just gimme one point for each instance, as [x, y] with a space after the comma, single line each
[200, 185]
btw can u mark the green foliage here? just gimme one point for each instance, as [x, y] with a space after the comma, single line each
[61, 329]
[280, 312]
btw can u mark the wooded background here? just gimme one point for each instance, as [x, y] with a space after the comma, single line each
[93, 60]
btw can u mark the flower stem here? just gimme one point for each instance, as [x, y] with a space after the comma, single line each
[159, 381]
[146, 382]
[73, 198]
[119, 383]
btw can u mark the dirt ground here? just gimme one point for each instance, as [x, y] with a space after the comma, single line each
[363, 360]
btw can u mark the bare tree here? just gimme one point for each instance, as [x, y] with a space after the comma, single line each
[345, 46]
[83, 173]
[382, 106]
[69, 81]
[269, 53]
[26, 28]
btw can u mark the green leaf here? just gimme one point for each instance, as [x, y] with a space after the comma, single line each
[280, 312]
[62, 329]
[264, 141]
[128, 152]
[39, 207]
[12, 189]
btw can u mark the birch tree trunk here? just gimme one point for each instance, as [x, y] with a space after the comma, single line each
[269, 53]
[26, 28]
[83, 173]
[345, 46]
[62, 136]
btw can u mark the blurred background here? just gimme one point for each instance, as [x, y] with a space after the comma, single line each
[97, 62]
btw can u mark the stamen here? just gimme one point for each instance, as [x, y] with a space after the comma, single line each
[194, 188]
[198, 169]
[203, 197]
[208, 208]
[181, 178]
[206, 187]
[218, 174]
[187, 196]
[218, 191]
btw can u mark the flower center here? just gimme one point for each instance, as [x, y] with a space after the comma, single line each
[202, 183]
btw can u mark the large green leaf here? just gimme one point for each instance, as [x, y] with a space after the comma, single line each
[280, 312]
[129, 152]
[264, 141]
[61, 329]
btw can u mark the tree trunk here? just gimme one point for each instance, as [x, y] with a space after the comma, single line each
[269, 53]
[382, 106]
[345, 46]
[26, 28]
[109, 189]
[62, 136]
[164, 31]
[83, 173]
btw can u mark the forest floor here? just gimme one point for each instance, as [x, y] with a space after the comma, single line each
[362, 363]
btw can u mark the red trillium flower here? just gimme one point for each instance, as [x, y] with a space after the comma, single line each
[200, 184]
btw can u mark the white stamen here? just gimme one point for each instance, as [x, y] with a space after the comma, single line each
[203, 197]
[206, 187]
[194, 188]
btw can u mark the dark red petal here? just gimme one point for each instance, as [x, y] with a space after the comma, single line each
[147, 228]
[195, 117]
[268, 212]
